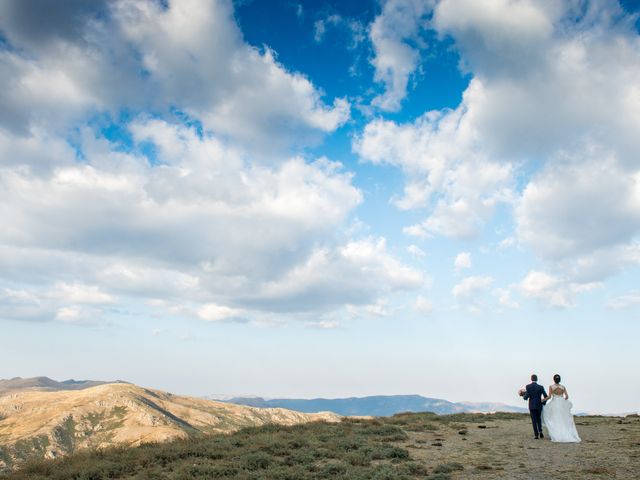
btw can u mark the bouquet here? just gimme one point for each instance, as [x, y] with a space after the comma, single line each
[521, 392]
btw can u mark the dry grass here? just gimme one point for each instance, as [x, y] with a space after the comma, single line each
[407, 446]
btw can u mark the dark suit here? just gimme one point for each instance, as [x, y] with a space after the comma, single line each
[535, 394]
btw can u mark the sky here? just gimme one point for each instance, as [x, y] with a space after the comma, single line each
[323, 198]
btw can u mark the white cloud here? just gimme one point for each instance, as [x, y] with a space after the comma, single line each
[323, 324]
[233, 88]
[469, 287]
[392, 34]
[504, 298]
[496, 35]
[22, 305]
[378, 309]
[583, 211]
[446, 172]
[319, 29]
[201, 226]
[139, 278]
[472, 294]
[553, 73]
[462, 261]
[357, 273]
[554, 91]
[552, 216]
[423, 306]
[79, 304]
[628, 300]
[551, 290]
[201, 199]
[320, 26]
[506, 243]
[416, 251]
[73, 314]
[216, 313]
[84, 294]
[40, 152]
[188, 55]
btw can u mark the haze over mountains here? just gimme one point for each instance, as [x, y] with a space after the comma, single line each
[378, 405]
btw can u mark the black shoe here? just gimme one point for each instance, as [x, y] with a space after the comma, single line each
[541, 435]
[536, 437]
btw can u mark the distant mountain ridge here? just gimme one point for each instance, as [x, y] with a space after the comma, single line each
[378, 405]
[47, 384]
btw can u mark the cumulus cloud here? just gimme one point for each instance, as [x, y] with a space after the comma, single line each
[216, 313]
[105, 56]
[470, 286]
[197, 222]
[202, 228]
[471, 291]
[462, 261]
[577, 121]
[504, 298]
[22, 305]
[551, 290]
[396, 43]
[416, 251]
[447, 173]
[359, 272]
[186, 210]
[584, 212]
[378, 309]
[546, 125]
[78, 293]
[70, 303]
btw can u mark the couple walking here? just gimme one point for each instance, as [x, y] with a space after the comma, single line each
[552, 409]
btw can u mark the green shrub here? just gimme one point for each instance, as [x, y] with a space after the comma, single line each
[257, 461]
[448, 467]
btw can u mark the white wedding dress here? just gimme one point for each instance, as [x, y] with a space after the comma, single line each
[557, 417]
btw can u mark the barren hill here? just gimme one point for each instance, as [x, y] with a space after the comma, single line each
[46, 383]
[50, 424]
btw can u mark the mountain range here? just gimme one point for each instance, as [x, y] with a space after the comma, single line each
[43, 418]
[379, 405]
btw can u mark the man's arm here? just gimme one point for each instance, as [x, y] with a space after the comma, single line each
[526, 394]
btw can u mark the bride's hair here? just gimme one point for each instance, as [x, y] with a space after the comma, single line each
[556, 378]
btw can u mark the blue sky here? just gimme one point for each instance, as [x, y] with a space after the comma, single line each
[330, 199]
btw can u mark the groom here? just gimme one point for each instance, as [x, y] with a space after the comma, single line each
[534, 394]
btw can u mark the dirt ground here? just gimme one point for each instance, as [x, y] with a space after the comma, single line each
[610, 449]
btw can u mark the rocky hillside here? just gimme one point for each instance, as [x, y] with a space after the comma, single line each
[49, 424]
[46, 383]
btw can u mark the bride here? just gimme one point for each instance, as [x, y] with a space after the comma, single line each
[556, 415]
